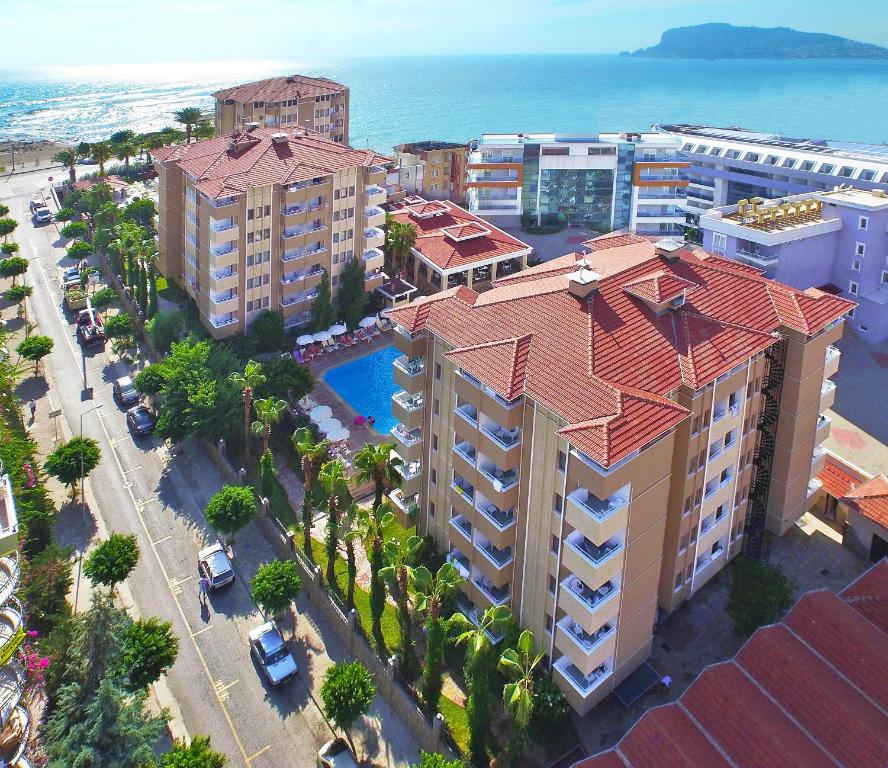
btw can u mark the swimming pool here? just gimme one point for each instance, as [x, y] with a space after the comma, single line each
[367, 385]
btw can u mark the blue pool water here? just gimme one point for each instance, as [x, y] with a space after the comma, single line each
[367, 385]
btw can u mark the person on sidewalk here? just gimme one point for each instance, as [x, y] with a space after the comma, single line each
[32, 406]
[204, 586]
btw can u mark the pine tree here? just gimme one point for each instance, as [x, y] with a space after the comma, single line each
[142, 287]
[352, 297]
[152, 291]
[131, 269]
[323, 313]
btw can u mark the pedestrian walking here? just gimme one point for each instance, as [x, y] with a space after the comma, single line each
[204, 585]
[32, 406]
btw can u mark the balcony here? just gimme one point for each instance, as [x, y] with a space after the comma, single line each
[499, 519]
[375, 194]
[464, 489]
[291, 299]
[372, 258]
[814, 485]
[466, 451]
[225, 300]
[9, 527]
[297, 320]
[291, 233]
[591, 607]
[9, 575]
[473, 614]
[408, 373]
[408, 408]
[598, 519]
[708, 565]
[374, 278]
[459, 561]
[374, 216]
[292, 254]
[500, 443]
[760, 259]
[288, 278]
[822, 430]
[495, 524]
[294, 209]
[410, 472]
[496, 595]
[584, 685]
[827, 395]
[463, 526]
[374, 237]
[222, 202]
[593, 563]
[12, 627]
[226, 251]
[409, 442]
[831, 361]
[224, 320]
[223, 230]
[587, 650]
[406, 507]
[13, 680]
[469, 413]
[411, 344]
[818, 459]
[498, 558]
[224, 278]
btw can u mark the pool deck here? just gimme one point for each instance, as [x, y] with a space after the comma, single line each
[323, 394]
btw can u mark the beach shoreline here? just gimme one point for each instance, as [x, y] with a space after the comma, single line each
[19, 156]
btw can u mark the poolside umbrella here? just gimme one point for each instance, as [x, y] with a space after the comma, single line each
[338, 435]
[319, 413]
[329, 425]
[305, 338]
[337, 330]
[367, 321]
[322, 336]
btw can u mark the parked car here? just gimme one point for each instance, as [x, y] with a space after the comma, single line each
[271, 654]
[336, 754]
[70, 275]
[214, 564]
[90, 329]
[140, 420]
[125, 391]
[42, 215]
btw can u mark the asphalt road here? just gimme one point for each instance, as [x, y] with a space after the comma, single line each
[138, 488]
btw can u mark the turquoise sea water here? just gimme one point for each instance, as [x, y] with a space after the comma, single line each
[367, 385]
[457, 98]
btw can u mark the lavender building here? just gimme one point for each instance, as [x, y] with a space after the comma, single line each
[836, 241]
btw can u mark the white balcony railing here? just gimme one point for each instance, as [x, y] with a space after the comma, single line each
[408, 402]
[410, 367]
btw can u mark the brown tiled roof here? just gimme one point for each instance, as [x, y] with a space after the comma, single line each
[603, 242]
[445, 252]
[871, 500]
[837, 480]
[231, 164]
[607, 364]
[796, 694]
[502, 364]
[281, 89]
[659, 287]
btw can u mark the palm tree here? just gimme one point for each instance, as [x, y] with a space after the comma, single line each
[204, 130]
[332, 477]
[398, 559]
[189, 117]
[519, 664]
[101, 152]
[268, 413]
[476, 638]
[429, 592]
[310, 452]
[68, 158]
[247, 381]
[400, 240]
[375, 463]
[349, 530]
[125, 151]
[371, 525]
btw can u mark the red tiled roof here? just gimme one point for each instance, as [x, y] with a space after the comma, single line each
[114, 181]
[465, 231]
[796, 694]
[280, 89]
[502, 364]
[445, 252]
[221, 171]
[606, 364]
[836, 478]
[871, 499]
[603, 242]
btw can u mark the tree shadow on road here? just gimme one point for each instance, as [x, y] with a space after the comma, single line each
[32, 388]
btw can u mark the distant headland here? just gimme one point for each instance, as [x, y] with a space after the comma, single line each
[725, 41]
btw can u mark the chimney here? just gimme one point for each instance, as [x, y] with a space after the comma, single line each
[668, 248]
[584, 282]
[250, 127]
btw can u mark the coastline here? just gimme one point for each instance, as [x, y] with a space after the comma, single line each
[29, 155]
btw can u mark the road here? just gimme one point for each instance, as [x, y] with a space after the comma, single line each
[139, 488]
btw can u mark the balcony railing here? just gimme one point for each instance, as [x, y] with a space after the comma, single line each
[222, 225]
[585, 594]
[373, 232]
[501, 520]
[598, 508]
[289, 210]
[585, 684]
[221, 202]
[372, 253]
[469, 413]
[221, 274]
[496, 595]
[293, 232]
[292, 255]
[594, 554]
[707, 559]
[221, 322]
[292, 277]
[467, 451]
[225, 250]
[291, 299]
[407, 504]
[459, 561]
[411, 367]
[221, 298]
[408, 402]
[501, 479]
[409, 470]
[463, 488]
[831, 354]
[462, 525]
[373, 189]
[583, 640]
[407, 438]
[757, 258]
[505, 438]
[498, 557]
[828, 386]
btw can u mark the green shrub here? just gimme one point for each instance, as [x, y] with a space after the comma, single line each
[74, 229]
[65, 214]
[120, 326]
[759, 594]
[7, 249]
[18, 293]
[79, 250]
[165, 328]
[104, 297]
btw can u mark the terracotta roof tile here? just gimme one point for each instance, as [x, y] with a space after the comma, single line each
[607, 759]
[665, 737]
[281, 89]
[659, 287]
[603, 242]
[836, 478]
[503, 362]
[871, 500]
[869, 595]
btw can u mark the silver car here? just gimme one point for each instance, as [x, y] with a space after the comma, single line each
[125, 391]
[214, 566]
[271, 654]
[336, 754]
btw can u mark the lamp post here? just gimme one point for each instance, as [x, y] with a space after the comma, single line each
[82, 503]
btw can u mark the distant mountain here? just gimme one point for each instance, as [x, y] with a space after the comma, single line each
[725, 41]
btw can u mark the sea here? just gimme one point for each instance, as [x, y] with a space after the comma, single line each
[456, 98]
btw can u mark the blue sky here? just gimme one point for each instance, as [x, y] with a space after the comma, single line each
[60, 32]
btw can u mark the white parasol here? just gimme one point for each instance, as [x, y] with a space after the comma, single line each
[338, 435]
[305, 338]
[367, 322]
[329, 425]
[337, 330]
[322, 336]
[319, 413]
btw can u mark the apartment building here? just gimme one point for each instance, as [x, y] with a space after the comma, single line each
[732, 164]
[316, 103]
[592, 439]
[836, 241]
[254, 221]
[606, 181]
[454, 247]
[435, 170]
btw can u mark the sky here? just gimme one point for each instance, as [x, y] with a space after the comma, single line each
[70, 32]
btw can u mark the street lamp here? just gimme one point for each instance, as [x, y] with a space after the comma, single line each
[82, 503]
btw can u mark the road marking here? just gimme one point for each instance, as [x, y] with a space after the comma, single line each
[201, 631]
[262, 751]
[222, 690]
[161, 541]
[132, 470]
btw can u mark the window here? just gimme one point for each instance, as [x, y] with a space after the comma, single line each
[693, 536]
[558, 506]
[705, 418]
[548, 624]
[702, 460]
[678, 580]
[552, 583]
[687, 506]
[562, 461]
[692, 465]
[249, 237]
[434, 442]
[851, 313]
[431, 508]
[437, 371]
[860, 249]
[267, 210]
[690, 574]
[852, 288]
[884, 277]
[696, 428]
[863, 223]
[434, 476]
[335, 280]
[683, 544]
[436, 407]
[249, 306]
[554, 545]
[698, 497]
[250, 215]
[266, 279]
[855, 265]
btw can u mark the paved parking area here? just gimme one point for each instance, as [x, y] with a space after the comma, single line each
[548, 247]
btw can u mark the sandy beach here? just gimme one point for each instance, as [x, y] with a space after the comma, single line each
[28, 155]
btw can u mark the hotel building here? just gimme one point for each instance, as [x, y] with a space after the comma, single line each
[454, 247]
[294, 101]
[435, 170]
[606, 181]
[592, 439]
[836, 241]
[731, 164]
[254, 221]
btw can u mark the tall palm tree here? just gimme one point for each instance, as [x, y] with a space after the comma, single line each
[101, 153]
[332, 478]
[247, 382]
[400, 240]
[189, 117]
[68, 158]
[371, 525]
[398, 559]
[429, 592]
[350, 530]
[125, 151]
[519, 664]
[376, 464]
[309, 452]
[268, 413]
[479, 705]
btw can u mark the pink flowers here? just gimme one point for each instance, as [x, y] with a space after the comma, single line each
[32, 479]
